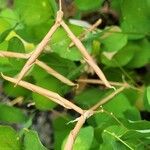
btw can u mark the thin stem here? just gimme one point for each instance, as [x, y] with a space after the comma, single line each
[111, 115]
[114, 135]
[92, 28]
[107, 99]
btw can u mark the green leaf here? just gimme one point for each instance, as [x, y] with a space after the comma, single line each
[115, 40]
[80, 142]
[123, 136]
[43, 103]
[141, 54]
[84, 139]
[89, 97]
[121, 101]
[12, 91]
[112, 139]
[4, 60]
[61, 65]
[34, 34]
[10, 16]
[88, 4]
[135, 18]
[4, 25]
[11, 114]
[16, 45]
[32, 141]
[3, 4]
[9, 139]
[60, 44]
[38, 73]
[148, 94]
[147, 98]
[4, 35]
[116, 5]
[61, 130]
[120, 58]
[137, 125]
[51, 84]
[41, 11]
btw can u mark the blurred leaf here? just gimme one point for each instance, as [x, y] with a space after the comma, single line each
[131, 138]
[89, 97]
[137, 125]
[88, 4]
[116, 6]
[4, 25]
[61, 65]
[115, 40]
[112, 139]
[61, 130]
[3, 4]
[147, 98]
[111, 136]
[121, 101]
[12, 91]
[148, 94]
[9, 139]
[11, 114]
[16, 45]
[53, 4]
[121, 58]
[135, 19]
[82, 142]
[4, 35]
[51, 84]
[3, 60]
[41, 11]
[141, 54]
[32, 141]
[34, 34]
[10, 16]
[132, 114]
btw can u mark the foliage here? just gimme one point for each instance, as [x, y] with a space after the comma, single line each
[122, 51]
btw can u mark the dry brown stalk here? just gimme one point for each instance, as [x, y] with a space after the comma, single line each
[47, 93]
[92, 28]
[13, 54]
[15, 101]
[97, 81]
[73, 134]
[40, 47]
[85, 54]
[81, 120]
[40, 64]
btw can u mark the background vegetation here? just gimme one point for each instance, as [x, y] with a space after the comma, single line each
[120, 46]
